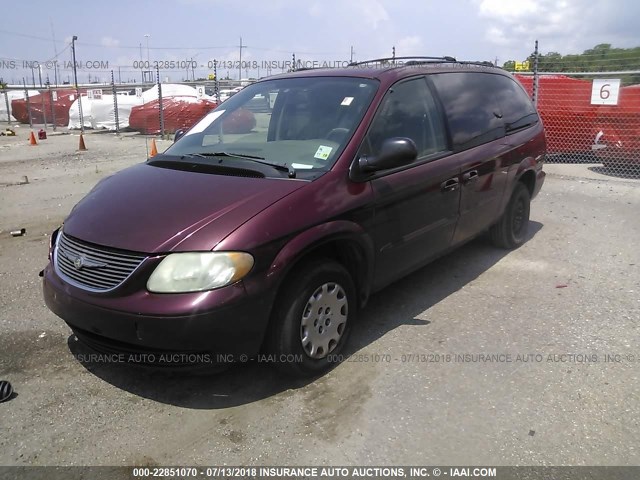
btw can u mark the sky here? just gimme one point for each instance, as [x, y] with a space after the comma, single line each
[114, 35]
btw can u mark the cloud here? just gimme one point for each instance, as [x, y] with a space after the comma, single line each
[316, 10]
[566, 26]
[109, 42]
[371, 11]
[508, 10]
[411, 45]
[496, 35]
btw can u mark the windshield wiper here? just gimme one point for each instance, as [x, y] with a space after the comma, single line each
[253, 158]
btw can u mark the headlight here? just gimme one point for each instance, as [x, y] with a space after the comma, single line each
[196, 272]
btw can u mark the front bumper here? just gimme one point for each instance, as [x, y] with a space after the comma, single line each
[225, 321]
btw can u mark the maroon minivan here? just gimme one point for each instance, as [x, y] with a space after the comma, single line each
[268, 224]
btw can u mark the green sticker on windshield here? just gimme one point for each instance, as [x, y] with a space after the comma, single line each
[323, 152]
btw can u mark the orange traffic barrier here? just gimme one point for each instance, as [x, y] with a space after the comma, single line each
[154, 149]
[82, 146]
[32, 139]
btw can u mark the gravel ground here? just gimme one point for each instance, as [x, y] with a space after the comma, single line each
[560, 316]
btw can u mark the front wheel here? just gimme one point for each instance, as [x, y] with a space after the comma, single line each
[312, 318]
[511, 230]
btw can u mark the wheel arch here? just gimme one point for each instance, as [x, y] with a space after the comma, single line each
[342, 241]
[528, 178]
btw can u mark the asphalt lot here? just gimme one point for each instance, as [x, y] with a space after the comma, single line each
[415, 390]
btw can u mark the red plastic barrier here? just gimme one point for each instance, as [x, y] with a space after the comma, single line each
[178, 113]
[565, 106]
[60, 107]
[240, 121]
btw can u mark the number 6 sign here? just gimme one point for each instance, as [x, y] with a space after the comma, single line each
[605, 91]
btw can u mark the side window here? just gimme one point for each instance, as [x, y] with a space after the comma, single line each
[517, 109]
[472, 110]
[408, 110]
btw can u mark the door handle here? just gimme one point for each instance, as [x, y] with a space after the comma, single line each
[450, 185]
[470, 176]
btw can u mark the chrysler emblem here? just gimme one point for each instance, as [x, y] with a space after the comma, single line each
[78, 262]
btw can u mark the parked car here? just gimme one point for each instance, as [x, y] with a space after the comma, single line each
[225, 94]
[272, 240]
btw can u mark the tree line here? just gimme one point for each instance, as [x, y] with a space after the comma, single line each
[601, 58]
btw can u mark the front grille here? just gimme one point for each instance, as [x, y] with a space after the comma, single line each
[93, 267]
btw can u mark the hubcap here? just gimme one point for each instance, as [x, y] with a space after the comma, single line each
[323, 320]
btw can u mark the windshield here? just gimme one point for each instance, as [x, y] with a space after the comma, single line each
[299, 123]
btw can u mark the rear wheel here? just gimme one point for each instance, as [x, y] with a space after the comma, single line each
[511, 230]
[312, 318]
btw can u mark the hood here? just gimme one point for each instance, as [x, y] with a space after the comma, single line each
[152, 210]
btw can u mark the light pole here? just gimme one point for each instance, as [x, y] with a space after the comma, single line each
[147, 35]
[75, 79]
[141, 65]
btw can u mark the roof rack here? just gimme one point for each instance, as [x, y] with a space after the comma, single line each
[393, 59]
[416, 60]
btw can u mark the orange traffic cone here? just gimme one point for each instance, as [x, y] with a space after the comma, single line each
[82, 147]
[32, 139]
[154, 149]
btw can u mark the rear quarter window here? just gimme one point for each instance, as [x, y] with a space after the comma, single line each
[517, 108]
[471, 106]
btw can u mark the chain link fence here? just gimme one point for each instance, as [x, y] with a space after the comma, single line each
[590, 116]
[150, 107]
[590, 106]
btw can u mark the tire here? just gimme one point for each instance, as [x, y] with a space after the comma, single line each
[511, 230]
[313, 339]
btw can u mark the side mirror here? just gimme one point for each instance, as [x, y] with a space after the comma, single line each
[179, 134]
[395, 152]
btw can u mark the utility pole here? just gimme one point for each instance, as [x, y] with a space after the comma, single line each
[148, 65]
[75, 79]
[394, 54]
[240, 64]
[351, 57]
[147, 35]
[55, 51]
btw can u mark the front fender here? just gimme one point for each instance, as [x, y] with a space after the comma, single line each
[348, 237]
